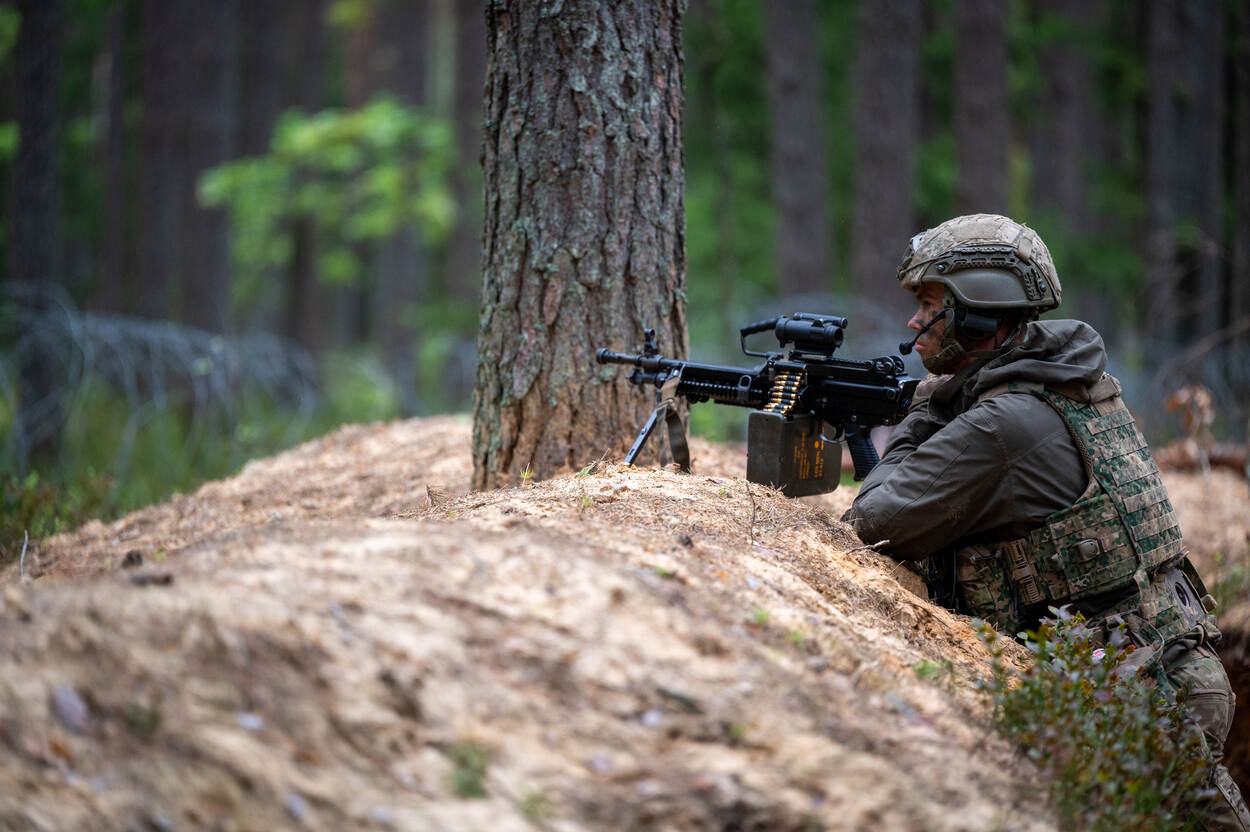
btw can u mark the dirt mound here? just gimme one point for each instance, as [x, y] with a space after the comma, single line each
[343, 636]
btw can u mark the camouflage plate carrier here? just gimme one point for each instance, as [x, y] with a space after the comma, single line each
[1121, 535]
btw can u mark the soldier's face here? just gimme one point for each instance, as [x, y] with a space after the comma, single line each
[929, 300]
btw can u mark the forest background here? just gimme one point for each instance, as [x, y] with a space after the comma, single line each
[231, 226]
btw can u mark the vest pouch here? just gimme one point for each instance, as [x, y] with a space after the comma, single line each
[1088, 550]
[983, 588]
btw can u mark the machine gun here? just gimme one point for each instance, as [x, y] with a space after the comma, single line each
[795, 394]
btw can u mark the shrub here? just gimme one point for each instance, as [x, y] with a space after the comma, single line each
[1117, 751]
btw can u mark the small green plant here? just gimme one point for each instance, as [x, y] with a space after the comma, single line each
[527, 475]
[939, 673]
[1118, 752]
[760, 617]
[35, 507]
[722, 492]
[468, 775]
[587, 502]
[798, 638]
[585, 472]
[666, 572]
[537, 807]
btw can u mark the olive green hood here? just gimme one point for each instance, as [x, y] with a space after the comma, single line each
[1051, 352]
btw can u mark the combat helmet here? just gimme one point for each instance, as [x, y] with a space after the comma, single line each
[986, 261]
[993, 269]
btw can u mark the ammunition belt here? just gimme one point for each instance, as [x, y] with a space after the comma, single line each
[784, 393]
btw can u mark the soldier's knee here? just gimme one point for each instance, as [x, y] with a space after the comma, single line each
[1210, 700]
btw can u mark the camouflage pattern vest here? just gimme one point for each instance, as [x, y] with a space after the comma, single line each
[1120, 540]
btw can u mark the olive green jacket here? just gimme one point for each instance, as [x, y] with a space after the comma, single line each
[961, 470]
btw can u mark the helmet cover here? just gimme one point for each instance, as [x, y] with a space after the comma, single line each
[986, 261]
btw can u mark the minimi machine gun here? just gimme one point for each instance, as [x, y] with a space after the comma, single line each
[804, 401]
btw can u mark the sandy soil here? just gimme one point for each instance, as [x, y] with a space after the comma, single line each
[343, 636]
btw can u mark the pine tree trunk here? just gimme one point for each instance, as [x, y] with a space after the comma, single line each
[309, 303]
[982, 117]
[887, 128]
[35, 225]
[800, 149]
[464, 249]
[211, 107]
[1185, 167]
[1162, 163]
[584, 230]
[402, 263]
[262, 75]
[1202, 133]
[162, 144]
[111, 295]
[1062, 141]
[1240, 128]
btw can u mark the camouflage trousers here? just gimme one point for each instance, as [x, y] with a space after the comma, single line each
[1195, 667]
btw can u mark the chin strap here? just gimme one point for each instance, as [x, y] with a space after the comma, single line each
[952, 350]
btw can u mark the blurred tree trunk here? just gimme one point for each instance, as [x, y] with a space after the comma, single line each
[162, 145]
[35, 240]
[887, 129]
[1240, 132]
[1066, 124]
[261, 88]
[309, 304]
[584, 229]
[463, 270]
[1068, 142]
[1202, 131]
[111, 294]
[1162, 163]
[464, 249]
[982, 116]
[211, 107]
[800, 149]
[1184, 168]
[402, 264]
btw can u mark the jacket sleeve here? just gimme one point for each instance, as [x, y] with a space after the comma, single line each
[936, 484]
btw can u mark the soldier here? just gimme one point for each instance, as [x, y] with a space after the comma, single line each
[1020, 463]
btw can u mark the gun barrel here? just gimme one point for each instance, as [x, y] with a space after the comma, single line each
[605, 356]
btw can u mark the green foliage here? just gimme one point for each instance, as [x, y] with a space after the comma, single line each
[936, 175]
[1118, 753]
[112, 461]
[729, 249]
[32, 507]
[351, 177]
[468, 775]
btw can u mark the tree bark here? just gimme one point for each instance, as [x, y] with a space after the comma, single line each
[584, 230]
[982, 116]
[35, 224]
[800, 149]
[887, 129]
